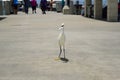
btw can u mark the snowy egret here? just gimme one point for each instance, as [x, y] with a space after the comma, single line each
[61, 40]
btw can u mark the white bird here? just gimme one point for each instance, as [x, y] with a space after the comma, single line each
[61, 40]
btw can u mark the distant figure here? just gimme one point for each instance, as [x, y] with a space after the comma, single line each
[15, 6]
[43, 6]
[51, 4]
[34, 5]
[82, 11]
[77, 7]
[63, 3]
[26, 6]
[119, 11]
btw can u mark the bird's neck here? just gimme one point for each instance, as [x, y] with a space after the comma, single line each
[62, 31]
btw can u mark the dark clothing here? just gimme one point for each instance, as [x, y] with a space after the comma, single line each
[33, 8]
[15, 6]
[119, 11]
[33, 4]
[26, 5]
[63, 3]
[15, 2]
[43, 6]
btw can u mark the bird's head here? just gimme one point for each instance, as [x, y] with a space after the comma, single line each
[62, 25]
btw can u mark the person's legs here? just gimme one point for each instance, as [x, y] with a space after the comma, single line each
[35, 9]
[15, 8]
[42, 10]
[26, 9]
[32, 9]
[119, 17]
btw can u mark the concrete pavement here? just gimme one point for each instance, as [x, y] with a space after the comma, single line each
[28, 48]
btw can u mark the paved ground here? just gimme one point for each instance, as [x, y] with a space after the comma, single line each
[28, 48]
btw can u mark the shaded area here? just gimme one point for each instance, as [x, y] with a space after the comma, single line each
[1, 18]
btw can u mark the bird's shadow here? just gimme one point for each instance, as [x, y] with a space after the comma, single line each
[64, 59]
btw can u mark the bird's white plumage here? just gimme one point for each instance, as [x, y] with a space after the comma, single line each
[61, 40]
[61, 37]
[62, 24]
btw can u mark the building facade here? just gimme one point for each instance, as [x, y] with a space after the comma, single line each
[112, 9]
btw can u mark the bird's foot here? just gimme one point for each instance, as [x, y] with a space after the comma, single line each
[58, 58]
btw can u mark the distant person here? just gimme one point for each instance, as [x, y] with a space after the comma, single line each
[15, 6]
[26, 6]
[63, 3]
[34, 5]
[77, 7]
[43, 6]
[119, 11]
[51, 5]
[82, 11]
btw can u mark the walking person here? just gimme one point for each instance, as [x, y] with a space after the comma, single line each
[15, 6]
[26, 6]
[119, 11]
[34, 5]
[43, 6]
[51, 5]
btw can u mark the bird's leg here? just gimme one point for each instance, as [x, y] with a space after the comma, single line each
[64, 52]
[60, 52]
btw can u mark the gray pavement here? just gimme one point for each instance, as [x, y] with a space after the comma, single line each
[29, 47]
